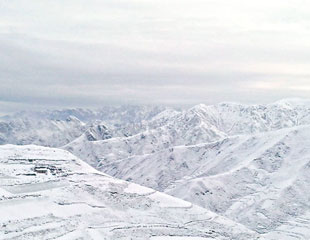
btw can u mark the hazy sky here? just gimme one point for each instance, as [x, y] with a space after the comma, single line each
[88, 53]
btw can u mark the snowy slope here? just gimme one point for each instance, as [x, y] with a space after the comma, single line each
[247, 162]
[262, 181]
[48, 193]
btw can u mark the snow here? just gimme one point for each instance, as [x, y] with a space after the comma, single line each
[178, 238]
[134, 188]
[261, 181]
[77, 201]
[169, 202]
[4, 192]
[236, 160]
[248, 163]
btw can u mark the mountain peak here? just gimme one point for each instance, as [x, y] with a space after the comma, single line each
[293, 102]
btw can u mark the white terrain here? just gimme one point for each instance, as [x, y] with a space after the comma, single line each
[246, 163]
[48, 193]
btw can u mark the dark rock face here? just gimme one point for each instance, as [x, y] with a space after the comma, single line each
[99, 132]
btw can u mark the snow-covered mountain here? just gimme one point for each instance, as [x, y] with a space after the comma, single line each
[45, 132]
[200, 124]
[262, 181]
[48, 193]
[248, 163]
[110, 114]
[56, 128]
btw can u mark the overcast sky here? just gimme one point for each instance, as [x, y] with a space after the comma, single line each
[89, 53]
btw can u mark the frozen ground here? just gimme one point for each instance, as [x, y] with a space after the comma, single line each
[48, 193]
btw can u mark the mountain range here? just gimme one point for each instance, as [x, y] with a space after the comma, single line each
[246, 163]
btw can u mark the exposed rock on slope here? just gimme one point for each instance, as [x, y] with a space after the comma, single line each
[98, 132]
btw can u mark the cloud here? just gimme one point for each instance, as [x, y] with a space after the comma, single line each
[89, 53]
